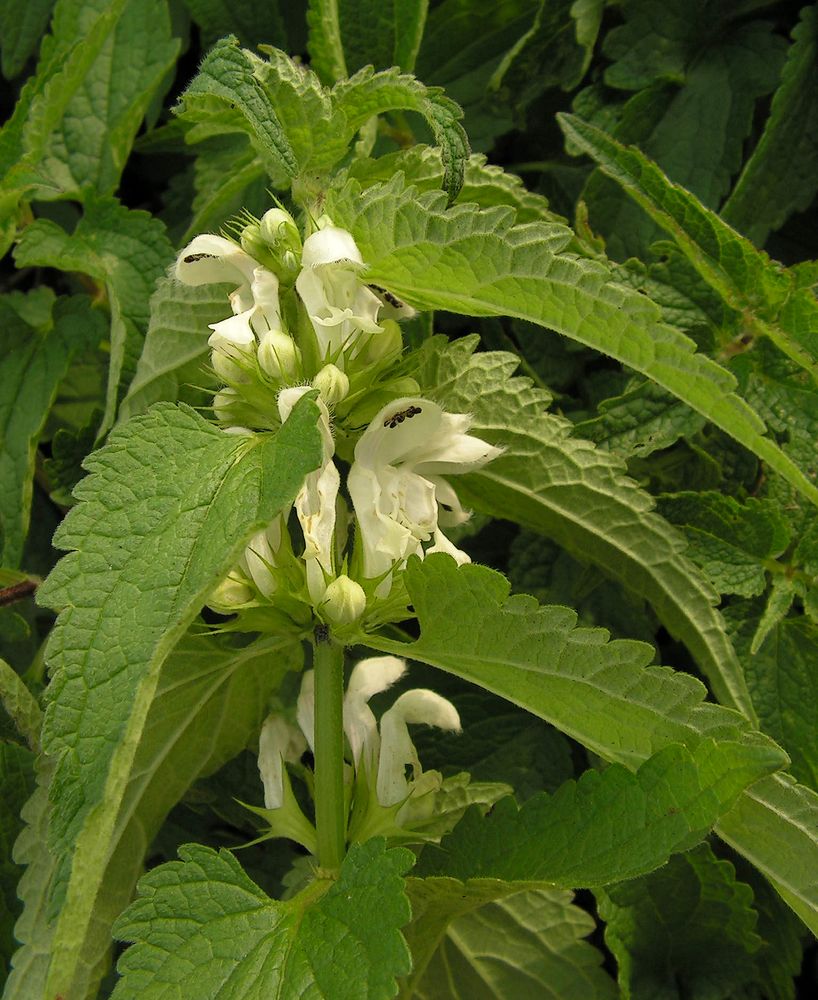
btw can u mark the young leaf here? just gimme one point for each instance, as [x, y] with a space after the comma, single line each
[164, 514]
[175, 346]
[521, 945]
[478, 263]
[780, 176]
[562, 487]
[21, 705]
[226, 78]
[640, 819]
[32, 363]
[203, 925]
[600, 692]
[688, 929]
[127, 251]
[764, 294]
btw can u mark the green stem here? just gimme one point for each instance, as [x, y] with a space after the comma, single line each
[330, 819]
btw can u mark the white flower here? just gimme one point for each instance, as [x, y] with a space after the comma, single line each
[368, 677]
[279, 741]
[316, 500]
[395, 482]
[338, 303]
[259, 557]
[209, 259]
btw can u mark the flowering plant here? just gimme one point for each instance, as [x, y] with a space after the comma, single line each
[382, 493]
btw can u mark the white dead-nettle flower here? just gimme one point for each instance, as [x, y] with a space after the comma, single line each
[390, 750]
[400, 498]
[278, 742]
[210, 259]
[315, 504]
[259, 557]
[339, 304]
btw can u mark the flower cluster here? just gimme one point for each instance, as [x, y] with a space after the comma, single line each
[384, 800]
[304, 318]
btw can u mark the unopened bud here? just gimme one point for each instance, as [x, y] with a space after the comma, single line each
[223, 403]
[228, 367]
[252, 242]
[386, 344]
[332, 384]
[344, 601]
[278, 355]
[278, 229]
[230, 594]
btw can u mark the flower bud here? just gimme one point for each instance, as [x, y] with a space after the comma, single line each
[278, 229]
[383, 345]
[332, 384]
[252, 242]
[226, 367]
[229, 595]
[278, 355]
[223, 403]
[344, 601]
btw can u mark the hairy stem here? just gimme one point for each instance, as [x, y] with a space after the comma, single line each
[330, 818]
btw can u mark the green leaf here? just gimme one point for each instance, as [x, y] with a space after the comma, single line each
[644, 419]
[88, 149]
[21, 28]
[640, 819]
[779, 178]
[477, 262]
[783, 683]
[782, 594]
[32, 363]
[252, 22]
[325, 45]
[578, 495]
[600, 692]
[732, 542]
[17, 777]
[226, 78]
[368, 93]
[175, 347]
[368, 32]
[202, 924]
[126, 251]
[687, 930]
[21, 705]
[164, 514]
[774, 825]
[764, 294]
[525, 946]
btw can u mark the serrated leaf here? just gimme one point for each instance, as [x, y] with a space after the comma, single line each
[766, 296]
[644, 419]
[779, 177]
[600, 692]
[178, 499]
[202, 924]
[127, 251]
[478, 263]
[32, 363]
[525, 946]
[17, 777]
[21, 28]
[639, 820]
[21, 705]
[176, 343]
[732, 542]
[87, 151]
[226, 79]
[688, 929]
[782, 593]
[368, 93]
[559, 486]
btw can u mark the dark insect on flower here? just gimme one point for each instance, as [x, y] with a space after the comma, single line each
[401, 415]
[195, 257]
[393, 300]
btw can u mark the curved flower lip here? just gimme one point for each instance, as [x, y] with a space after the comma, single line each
[369, 677]
[330, 245]
[210, 259]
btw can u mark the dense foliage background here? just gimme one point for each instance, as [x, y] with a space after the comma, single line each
[101, 184]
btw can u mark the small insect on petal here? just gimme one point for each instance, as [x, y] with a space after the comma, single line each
[401, 415]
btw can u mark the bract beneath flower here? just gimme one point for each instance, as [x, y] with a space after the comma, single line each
[396, 487]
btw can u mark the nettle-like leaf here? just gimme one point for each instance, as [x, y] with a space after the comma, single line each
[779, 178]
[204, 930]
[32, 363]
[689, 927]
[17, 776]
[639, 820]
[126, 251]
[165, 512]
[527, 943]
[477, 262]
[767, 297]
[563, 487]
[21, 705]
[208, 706]
[175, 345]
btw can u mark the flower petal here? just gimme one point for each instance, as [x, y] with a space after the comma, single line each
[210, 259]
[369, 677]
